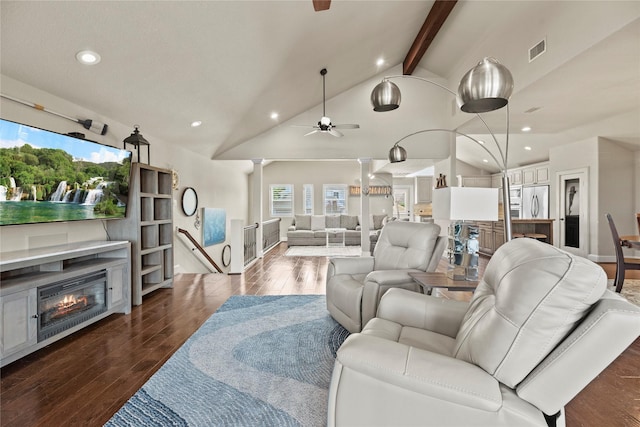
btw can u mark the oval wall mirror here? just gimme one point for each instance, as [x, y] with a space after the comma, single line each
[189, 201]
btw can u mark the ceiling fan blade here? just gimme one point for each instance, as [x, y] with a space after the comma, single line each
[335, 133]
[312, 132]
[320, 5]
[348, 126]
[305, 126]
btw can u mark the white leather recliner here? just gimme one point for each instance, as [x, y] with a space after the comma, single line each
[355, 285]
[540, 326]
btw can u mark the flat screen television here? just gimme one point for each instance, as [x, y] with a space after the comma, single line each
[50, 177]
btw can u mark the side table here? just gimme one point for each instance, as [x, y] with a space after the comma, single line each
[429, 281]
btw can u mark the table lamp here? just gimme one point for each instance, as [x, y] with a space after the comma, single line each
[460, 205]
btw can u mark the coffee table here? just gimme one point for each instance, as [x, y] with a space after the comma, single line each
[335, 232]
[429, 281]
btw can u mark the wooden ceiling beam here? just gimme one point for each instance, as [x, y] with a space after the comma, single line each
[437, 15]
[320, 5]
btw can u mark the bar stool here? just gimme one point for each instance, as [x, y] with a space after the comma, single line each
[517, 235]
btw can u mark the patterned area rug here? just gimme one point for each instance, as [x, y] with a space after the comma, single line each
[323, 251]
[630, 290]
[258, 361]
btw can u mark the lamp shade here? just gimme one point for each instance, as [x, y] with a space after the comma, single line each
[397, 154]
[486, 87]
[385, 96]
[465, 203]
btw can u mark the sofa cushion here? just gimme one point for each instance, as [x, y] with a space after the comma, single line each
[378, 221]
[303, 222]
[370, 221]
[317, 222]
[350, 222]
[332, 221]
[509, 328]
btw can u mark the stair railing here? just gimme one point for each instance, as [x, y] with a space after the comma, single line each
[200, 248]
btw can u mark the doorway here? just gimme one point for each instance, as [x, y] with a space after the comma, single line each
[573, 211]
[402, 201]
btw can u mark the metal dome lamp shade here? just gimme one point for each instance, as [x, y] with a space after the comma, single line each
[385, 96]
[486, 87]
[397, 154]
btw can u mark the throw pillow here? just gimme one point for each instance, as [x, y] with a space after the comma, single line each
[303, 222]
[377, 221]
[350, 222]
[317, 222]
[333, 221]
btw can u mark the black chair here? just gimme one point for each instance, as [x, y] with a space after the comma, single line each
[622, 263]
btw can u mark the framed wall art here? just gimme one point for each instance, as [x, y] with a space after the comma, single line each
[214, 226]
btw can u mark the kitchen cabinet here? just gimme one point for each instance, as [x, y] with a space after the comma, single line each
[424, 189]
[534, 175]
[483, 181]
[491, 236]
[515, 177]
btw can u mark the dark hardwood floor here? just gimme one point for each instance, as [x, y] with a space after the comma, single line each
[85, 378]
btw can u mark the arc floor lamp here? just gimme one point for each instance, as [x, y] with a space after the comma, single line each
[486, 87]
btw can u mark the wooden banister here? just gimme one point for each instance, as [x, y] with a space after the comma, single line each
[200, 248]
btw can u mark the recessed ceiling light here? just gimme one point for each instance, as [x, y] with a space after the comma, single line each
[196, 123]
[526, 129]
[380, 62]
[274, 116]
[481, 141]
[87, 57]
[527, 148]
[485, 160]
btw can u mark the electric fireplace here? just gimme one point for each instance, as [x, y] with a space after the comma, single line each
[68, 303]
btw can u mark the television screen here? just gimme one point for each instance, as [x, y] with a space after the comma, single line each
[47, 176]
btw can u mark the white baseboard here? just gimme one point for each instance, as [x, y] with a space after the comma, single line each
[601, 258]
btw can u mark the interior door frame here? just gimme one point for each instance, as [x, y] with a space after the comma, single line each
[407, 211]
[582, 175]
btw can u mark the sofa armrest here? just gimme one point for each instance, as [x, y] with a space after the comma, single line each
[419, 371]
[291, 228]
[349, 265]
[440, 315]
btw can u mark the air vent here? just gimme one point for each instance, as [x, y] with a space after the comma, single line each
[538, 50]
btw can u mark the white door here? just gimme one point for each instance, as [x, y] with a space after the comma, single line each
[573, 211]
[402, 201]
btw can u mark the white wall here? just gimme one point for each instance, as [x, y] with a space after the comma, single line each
[218, 184]
[612, 188]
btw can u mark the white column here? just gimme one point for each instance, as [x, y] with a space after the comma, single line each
[257, 204]
[364, 205]
[237, 246]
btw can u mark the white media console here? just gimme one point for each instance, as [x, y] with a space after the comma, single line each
[51, 292]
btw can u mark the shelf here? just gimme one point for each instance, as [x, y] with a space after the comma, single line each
[150, 229]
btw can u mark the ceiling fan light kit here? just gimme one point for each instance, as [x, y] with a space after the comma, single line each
[486, 87]
[324, 124]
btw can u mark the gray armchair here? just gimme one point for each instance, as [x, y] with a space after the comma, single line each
[540, 326]
[355, 285]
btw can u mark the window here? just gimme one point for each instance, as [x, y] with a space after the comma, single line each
[335, 198]
[307, 199]
[281, 200]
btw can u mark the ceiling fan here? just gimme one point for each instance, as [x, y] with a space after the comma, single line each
[325, 125]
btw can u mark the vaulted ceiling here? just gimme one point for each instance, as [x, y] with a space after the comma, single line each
[231, 64]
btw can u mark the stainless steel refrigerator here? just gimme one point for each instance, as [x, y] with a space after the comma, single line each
[535, 202]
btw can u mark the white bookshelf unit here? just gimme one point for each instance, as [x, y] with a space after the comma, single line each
[29, 277]
[149, 228]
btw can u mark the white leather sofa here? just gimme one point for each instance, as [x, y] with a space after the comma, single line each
[355, 285]
[540, 326]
